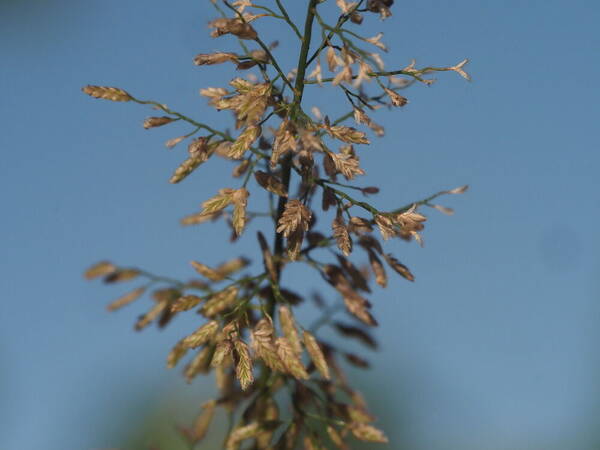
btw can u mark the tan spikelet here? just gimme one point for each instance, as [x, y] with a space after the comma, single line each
[267, 257]
[378, 269]
[240, 434]
[271, 183]
[290, 359]
[153, 122]
[121, 275]
[220, 201]
[264, 346]
[202, 335]
[458, 190]
[336, 438]
[347, 134]
[204, 270]
[204, 420]
[316, 354]
[341, 235]
[284, 141]
[175, 355]
[188, 166]
[222, 350]
[346, 164]
[360, 225]
[240, 201]
[288, 326]
[243, 368]
[107, 93]
[295, 215]
[368, 433]
[99, 270]
[198, 218]
[185, 303]
[126, 299]
[385, 226]
[199, 364]
[209, 59]
[220, 301]
[147, 318]
[241, 168]
[233, 265]
[244, 141]
[399, 267]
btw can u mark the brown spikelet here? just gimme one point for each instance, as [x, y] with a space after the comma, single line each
[107, 93]
[153, 122]
[233, 265]
[99, 270]
[329, 198]
[316, 354]
[359, 225]
[341, 235]
[284, 141]
[368, 433]
[236, 27]
[357, 333]
[378, 269]
[349, 135]
[126, 299]
[395, 98]
[346, 164]
[267, 257]
[399, 267]
[294, 244]
[243, 368]
[176, 354]
[198, 218]
[336, 438]
[203, 421]
[290, 359]
[198, 154]
[357, 361]
[220, 301]
[209, 59]
[244, 141]
[185, 303]
[288, 326]
[202, 335]
[271, 183]
[241, 168]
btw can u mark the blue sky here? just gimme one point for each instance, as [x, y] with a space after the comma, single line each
[496, 344]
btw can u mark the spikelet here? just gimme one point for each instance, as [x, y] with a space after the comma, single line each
[316, 354]
[341, 235]
[220, 301]
[240, 201]
[232, 266]
[385, 226]
[153, 122]
[284, 141]
[121, 275]
[243, 368]
[458, 190]
[267, 257]
[198, 153]
[99, 270]
[176, 354]
[209, 59]
[336, 438]
[346, 134]
[198, 218]
[378, 269]
[346, 164]
[244, 141]
[290, 359]
[199, 364]
[185, 303]
[126, 299]
[368, 433]
[107, 93]
[240, 434]
[201, 336]
[218, 202]
[203, 421]
[147, 318]
[295, 216]
[395, 98]
[360, 225]
[399, 267]
[236, 27]
[204, 270]
[271, 183]
[264, 346]
[223, 349]
[356, 333]
[288, 326]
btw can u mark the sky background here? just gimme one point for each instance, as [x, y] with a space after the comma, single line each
[494, 347]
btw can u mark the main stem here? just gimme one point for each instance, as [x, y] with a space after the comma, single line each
[287, 162]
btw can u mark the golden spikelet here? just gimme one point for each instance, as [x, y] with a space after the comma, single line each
[240, 434]
[233, 265]
[126, 299]
[271, 183]
[385, 225]
[349, 135]
[199, 364]
[378, 269]
[288, 326]
[204, 270]
[336, 438]
[100, 269]
[222, 350]
[264, 346]
[202, 335]
[107, 93]
[316, 354]
[243, 368]
[187, 167]
[220, 201]
[295, 215]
